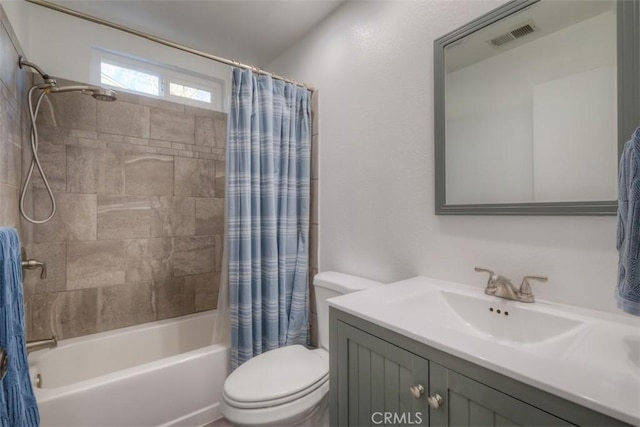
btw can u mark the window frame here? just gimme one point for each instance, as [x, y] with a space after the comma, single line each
[166, 74]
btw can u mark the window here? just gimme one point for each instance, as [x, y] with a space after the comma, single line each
[158, 81]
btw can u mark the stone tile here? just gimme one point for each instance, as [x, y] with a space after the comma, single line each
[206, 290]
[203, 112]
[205, 131]
[54, 255]
[162, 104]
[123, 217]
[315, 110]
[313, 249]
[53, 158]
[9, 202]
[148, 259]
[174, 297]
[173, 216]
[313, 202]
[94, 170]
[172, 126]
[63, 314]
[9, 62]
[69, 110]
[38, 316]
[209, 216]
[4, 145]
[128, 97]
[123, 118]
[75, 217]
[109, 137]
[76, 313]
[136, 141]
[219, 249]
[315, 159]
[14, 152]
[221, 170]
[211, 131]
[194, 177]
[149, 174]
[82, 134]
[125, 305]
[95, 264]
[194, 255]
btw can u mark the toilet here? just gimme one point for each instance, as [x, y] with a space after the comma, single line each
[290, 385]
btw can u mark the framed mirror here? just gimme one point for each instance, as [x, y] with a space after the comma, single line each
[533, 104]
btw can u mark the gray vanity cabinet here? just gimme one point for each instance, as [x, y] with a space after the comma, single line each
[377, 377]
[466, 402]
[374, 369]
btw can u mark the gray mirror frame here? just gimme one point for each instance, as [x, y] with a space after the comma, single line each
[628, 16]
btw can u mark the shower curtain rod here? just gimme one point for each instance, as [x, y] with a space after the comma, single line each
[165, 42]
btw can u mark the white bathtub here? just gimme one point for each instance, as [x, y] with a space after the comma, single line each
[165, 373]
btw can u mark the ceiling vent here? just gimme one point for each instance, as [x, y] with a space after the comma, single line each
[520, 31]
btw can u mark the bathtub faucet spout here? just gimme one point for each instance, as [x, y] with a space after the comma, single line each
[41, 344]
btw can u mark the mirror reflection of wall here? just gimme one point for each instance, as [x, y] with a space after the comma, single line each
[531, 107]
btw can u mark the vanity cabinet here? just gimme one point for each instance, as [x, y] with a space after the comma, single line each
[379, 377]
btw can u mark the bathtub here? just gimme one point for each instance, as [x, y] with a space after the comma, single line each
[164, 373]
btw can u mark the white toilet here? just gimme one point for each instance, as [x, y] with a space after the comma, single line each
[290, 385]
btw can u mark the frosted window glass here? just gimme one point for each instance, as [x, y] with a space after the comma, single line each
[189, 92]
[126, 78]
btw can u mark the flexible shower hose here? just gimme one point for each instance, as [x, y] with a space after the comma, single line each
[35, 161]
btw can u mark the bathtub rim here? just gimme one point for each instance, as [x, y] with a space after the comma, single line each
[45, 394]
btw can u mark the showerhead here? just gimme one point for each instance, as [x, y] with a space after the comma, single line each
[104, 95]
[99, 93]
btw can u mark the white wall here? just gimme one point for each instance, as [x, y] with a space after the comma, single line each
[61, 45]
[373, 64]
[18, 13]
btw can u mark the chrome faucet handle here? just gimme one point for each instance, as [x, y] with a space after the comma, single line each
[524, 293]
[492, 276]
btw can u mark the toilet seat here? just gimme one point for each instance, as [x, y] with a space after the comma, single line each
[290, 413]
[277, 377]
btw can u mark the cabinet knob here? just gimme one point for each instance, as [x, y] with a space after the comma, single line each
[417, 390]
[435, 401]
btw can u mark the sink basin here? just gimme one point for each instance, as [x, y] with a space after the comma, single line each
[506, 320]
[536, 328]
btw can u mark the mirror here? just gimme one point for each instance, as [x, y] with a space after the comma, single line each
[527, 101]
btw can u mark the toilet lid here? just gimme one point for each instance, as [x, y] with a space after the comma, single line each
[276, 374]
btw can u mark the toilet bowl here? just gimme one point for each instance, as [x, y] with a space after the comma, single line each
[289, 385]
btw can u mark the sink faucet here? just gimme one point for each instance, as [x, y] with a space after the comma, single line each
[502, 287]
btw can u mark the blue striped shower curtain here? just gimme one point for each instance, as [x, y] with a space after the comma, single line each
[268, 179]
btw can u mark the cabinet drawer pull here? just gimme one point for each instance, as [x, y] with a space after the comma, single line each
[417, 390]
[435, 401]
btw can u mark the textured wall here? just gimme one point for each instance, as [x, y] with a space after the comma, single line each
[139, 230]
[13, 119]
[373, 64]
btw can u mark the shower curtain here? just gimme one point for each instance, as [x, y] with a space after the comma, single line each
[268, 184]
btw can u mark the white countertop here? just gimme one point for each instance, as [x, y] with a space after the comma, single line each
[598, 366]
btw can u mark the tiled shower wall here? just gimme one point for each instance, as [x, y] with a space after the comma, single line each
[138, 233]
[13, 123]
[313, 223]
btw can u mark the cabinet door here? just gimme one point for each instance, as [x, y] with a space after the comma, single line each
[466, 402]
[375, 380]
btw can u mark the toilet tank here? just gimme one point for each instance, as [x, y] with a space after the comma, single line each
[331, 284]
